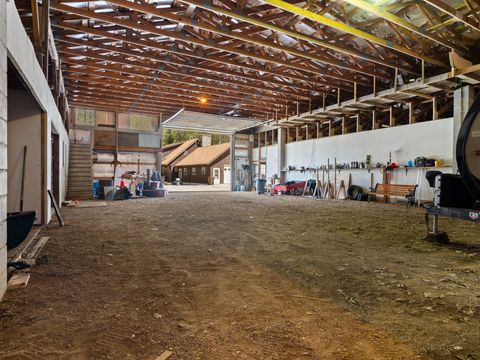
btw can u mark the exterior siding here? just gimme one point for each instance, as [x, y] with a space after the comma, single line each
[169, 172]
[220, 163]
[198, 178]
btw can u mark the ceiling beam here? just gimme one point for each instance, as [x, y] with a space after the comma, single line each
[384, 14]
[178, 76]
[453, 13]
[155, 56]
[254, 20]
[145, 27]
[351, 30]
[159, 97]
[314, 83]
[152, 10]
[161, 89]
[142, 99]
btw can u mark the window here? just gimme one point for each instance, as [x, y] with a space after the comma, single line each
[105, 118]
[194, 171]
[185, 171]
[179, 173]
[85, 117]
[141, 122]
[137, 121]
[204, 170]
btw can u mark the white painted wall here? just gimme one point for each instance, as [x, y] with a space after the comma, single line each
[24, 128]
[3, 147]
[432, 139]
[21, 53]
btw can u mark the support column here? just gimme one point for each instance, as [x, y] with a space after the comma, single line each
[232, 162]
[392, 121]
[462, 100]
[3, 147]
[259, 160]
[281, 147]
[159, 155]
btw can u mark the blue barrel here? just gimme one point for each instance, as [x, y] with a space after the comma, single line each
[261, 186]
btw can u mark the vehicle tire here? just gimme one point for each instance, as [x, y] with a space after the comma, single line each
[353, 191]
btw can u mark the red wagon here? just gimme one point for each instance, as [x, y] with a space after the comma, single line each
[291, 187]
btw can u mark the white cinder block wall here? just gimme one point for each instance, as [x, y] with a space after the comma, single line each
[3, 147]
[431, 139]
[22, 55]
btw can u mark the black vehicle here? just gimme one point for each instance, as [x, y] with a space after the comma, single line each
[458, 196]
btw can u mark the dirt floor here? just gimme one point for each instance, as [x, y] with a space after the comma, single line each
[241, 276]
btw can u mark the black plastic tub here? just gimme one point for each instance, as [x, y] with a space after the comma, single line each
[19, 225]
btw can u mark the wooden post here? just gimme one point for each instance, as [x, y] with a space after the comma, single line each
[115, 154]
[374, 120]
[343, 126]
[392, 119]
[259, 162]
[45, 28]
[411, 120]
[434, 108]
[37, 39]
[395, 81]
[338, 96]
[423, 71]
[359, 126]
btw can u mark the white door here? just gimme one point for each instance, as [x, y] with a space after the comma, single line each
[226, 174]
[216, 176]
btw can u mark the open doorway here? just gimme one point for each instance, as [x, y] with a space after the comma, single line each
[55, 166]
[24, 141]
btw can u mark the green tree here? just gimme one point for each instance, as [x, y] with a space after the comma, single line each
[175, 136]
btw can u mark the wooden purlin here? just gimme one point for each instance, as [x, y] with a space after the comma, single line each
[146, 97]
[351, 30]
[208, 44]
[308, 82]
[260, 22]
[151, 10]
[162, 88]
[204, 71]
[231, 86]
[235, 85]
[235, 55]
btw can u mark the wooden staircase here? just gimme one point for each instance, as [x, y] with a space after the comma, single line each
[80, 172]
